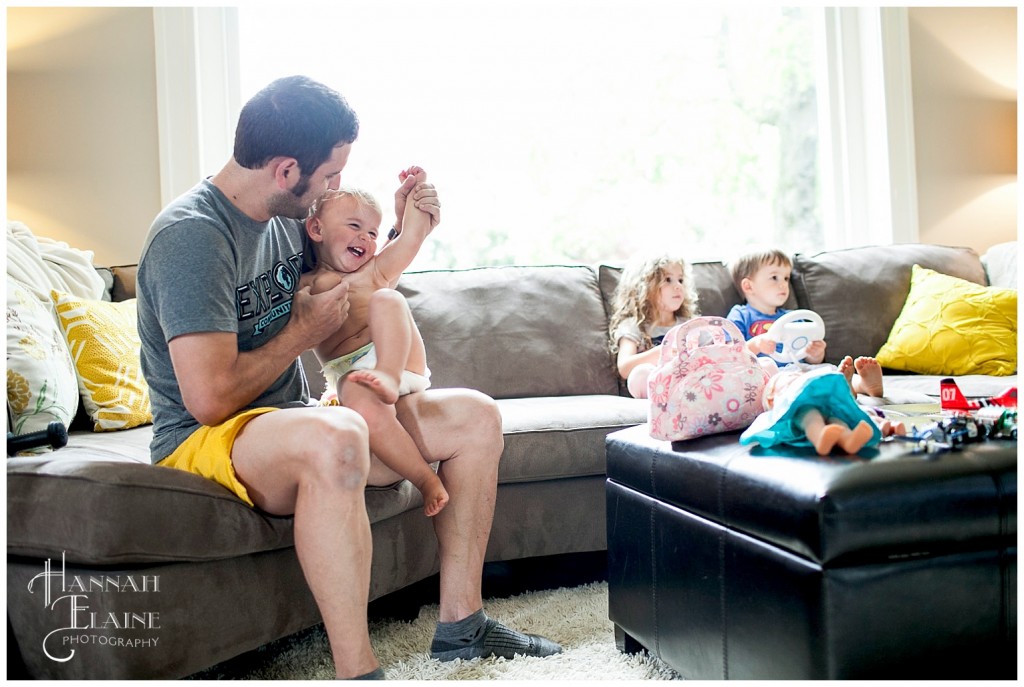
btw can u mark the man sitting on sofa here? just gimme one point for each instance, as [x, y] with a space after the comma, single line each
[222, 324]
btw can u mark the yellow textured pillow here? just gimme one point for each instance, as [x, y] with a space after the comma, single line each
[951, 326]
[104, 342]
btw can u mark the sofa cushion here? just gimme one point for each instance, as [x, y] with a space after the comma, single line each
[104, 340]
[1000, 263]
[100, 501]
[859, 292]
[562, 436]
[123, 282]
[950, 326]
[41, 382]
[513, 332]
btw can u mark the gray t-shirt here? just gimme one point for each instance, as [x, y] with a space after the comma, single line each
[208, 267]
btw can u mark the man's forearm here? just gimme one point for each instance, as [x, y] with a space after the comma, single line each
[217, 380]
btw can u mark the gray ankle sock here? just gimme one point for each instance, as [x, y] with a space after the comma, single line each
[470, 626]
[372, 675]
[477, 636]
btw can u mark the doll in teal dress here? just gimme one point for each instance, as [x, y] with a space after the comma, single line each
[814, 408]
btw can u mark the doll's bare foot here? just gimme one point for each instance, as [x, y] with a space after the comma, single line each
[378, 382]
[854, 439]
[890, 428]
[846, 367]
[435, 496]
[870, 373]
[826, 439]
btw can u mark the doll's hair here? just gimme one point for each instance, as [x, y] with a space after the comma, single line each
[309, 256]
[746, 266]
[638, 286]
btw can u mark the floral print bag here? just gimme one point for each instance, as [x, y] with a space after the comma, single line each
[706, 381]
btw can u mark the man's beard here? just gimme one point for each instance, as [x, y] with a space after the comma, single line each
[291, 203]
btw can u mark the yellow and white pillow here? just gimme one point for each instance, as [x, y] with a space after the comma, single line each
[950, 326]
[104, 343]
[41, 383]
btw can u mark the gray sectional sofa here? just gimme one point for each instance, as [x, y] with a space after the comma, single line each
[173, 574]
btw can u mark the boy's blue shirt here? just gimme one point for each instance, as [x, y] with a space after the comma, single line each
[751, 321]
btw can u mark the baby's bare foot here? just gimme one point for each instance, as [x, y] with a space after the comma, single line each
[435, 496]
[870, 373]
[846, 367]
[379, 383]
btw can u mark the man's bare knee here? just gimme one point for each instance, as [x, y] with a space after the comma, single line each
[486, 426]
[339, 450]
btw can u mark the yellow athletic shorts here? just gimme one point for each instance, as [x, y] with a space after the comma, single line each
[207, 452]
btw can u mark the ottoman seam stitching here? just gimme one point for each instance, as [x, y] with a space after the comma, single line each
[654, 561]
[721, 570]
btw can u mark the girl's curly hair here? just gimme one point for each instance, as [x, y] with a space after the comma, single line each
[638, 286]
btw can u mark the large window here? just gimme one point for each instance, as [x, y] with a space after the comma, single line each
[573, 131]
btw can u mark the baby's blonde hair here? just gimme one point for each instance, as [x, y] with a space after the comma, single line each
[309, 256]
[362, 196]
[638, 286]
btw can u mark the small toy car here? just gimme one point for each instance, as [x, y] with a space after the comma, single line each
[998, 423]
[948, 434]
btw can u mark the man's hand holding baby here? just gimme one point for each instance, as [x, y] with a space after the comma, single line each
[320, 308]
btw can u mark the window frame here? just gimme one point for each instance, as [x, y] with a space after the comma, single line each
[868, 173]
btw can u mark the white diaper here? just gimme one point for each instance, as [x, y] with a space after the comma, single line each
[365, 358]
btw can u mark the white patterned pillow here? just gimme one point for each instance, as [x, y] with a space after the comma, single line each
[41, 382]
[103, 338]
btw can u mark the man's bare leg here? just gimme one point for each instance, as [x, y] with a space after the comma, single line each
[462, 428]
[314, 463]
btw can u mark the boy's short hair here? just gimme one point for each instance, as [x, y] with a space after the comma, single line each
[297, 117]
[747, 265]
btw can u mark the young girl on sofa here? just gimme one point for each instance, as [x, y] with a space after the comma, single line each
[655, 293]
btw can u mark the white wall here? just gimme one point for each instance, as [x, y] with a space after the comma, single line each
[964, 73]
[82, 148]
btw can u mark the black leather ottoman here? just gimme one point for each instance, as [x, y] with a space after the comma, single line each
[733, 562]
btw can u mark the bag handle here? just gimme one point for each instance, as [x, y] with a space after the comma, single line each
[685, 337]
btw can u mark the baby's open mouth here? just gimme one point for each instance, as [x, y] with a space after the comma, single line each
[356, 251]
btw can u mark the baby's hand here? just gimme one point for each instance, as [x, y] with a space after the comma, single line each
[815, 352]
[415, 171]
[762, 344]
[411, 179]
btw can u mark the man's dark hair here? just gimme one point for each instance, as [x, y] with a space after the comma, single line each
[297, 117]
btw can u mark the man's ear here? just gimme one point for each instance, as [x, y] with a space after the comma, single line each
[286, 172]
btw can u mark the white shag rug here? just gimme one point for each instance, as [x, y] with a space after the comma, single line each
[577, 618]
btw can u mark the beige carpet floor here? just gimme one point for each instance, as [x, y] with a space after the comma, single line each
[575, 617]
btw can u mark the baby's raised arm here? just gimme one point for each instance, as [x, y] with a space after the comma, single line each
[398, 254]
